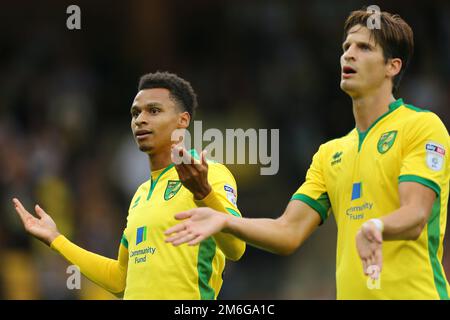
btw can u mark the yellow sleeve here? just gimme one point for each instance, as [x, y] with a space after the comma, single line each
[425, 155]
[108, 273]
[313, 191]
[223, 198]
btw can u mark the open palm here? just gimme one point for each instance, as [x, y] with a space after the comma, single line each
[43, 228]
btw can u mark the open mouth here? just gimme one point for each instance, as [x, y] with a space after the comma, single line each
[347, 71]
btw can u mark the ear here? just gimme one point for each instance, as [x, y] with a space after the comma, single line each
[184, 118]
[393, 67]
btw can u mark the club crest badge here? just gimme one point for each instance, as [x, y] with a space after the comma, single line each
[173, 186]
[386, 141]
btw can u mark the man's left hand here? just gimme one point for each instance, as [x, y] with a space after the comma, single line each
[193, 174]
[369, 240]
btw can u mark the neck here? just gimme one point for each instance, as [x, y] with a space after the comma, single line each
[367, 109]
[159, 160]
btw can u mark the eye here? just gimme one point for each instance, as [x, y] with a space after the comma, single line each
[345, 47]
[134, 113]
[155, 110]
[364, 47]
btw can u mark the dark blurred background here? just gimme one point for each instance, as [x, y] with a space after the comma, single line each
[65, 140]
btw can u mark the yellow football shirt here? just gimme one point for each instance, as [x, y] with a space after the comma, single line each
[356, 177]
[158, 270]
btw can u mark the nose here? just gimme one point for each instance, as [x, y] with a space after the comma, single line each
[349, 54]
[141, 119]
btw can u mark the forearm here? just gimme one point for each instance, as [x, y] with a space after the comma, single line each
[272, 235]
[107, 273]
[406, 223]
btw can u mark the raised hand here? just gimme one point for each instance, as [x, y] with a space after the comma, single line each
[193, 174]
[369, 242]
[43, 228]
[199, 224]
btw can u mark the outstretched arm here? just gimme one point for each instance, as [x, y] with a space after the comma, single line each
[108, 273]
[281, 236]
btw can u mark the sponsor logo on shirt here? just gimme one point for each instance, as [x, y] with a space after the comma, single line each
[141, 234]
[357, 212]
[140, 255]
[435, 154]
[337, 158]
[136, 202]
[231, 194]
[356, 191]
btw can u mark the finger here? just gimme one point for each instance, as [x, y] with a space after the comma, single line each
[182, 171]
[175, 156]
[368, 232]
[176, 228]
[365, 266]
[196, 241]
[187, 238]
[23, 214]
[378, 236]
[379, 258]
[204, 162]
[184, 214]
[188, 159]
[40, 213]
[177, 236]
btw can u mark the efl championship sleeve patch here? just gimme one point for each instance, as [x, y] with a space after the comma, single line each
[231, 194]
[435, 156]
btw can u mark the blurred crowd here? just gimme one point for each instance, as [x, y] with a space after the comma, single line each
[66, 144]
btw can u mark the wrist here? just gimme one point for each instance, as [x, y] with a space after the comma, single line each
[227, 223]
[52, 238]
[379, 224]
[203, 193]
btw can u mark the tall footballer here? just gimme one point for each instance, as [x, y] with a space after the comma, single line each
[386, 181]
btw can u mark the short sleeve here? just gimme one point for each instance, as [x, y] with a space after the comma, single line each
[425, 153]
[224, 189]
[313, 191]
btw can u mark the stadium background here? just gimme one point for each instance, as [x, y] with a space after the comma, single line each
[66, 144]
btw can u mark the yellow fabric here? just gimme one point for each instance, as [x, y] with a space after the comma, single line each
[217, 200]
[108, 273]
[402, 145]
[158, 270]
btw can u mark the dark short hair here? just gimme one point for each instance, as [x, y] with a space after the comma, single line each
[180, 90]
[395, 37]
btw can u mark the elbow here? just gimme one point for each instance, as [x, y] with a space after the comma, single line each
[236, 254]
[416, 232]
[118, 288]
[287, 250]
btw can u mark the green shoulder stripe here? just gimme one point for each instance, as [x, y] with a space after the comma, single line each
[321, 205]
[426, 182]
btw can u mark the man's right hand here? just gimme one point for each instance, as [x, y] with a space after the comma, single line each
[43, 228]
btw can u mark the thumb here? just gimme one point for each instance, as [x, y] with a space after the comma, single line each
[41, 213]
[183, 215]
